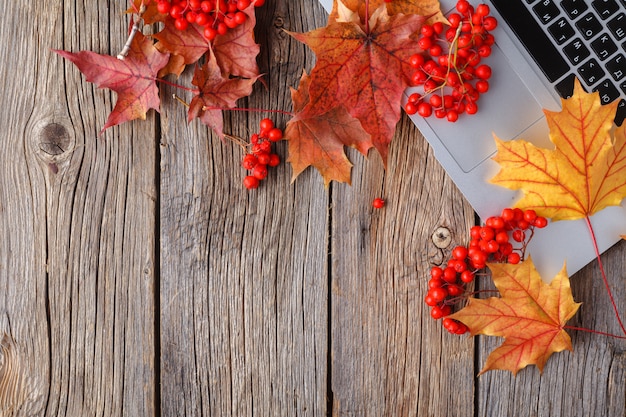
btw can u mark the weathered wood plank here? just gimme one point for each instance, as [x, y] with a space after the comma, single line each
[588, 381]
[78, 219]
[244, 276]
[389, 358]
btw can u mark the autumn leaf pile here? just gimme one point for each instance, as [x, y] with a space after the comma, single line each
[226, 69]
[352, 98]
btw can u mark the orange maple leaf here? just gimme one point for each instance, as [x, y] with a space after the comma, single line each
[319, 140]
[585, 173]
[530, 315]
[133, 78]
[363, 67]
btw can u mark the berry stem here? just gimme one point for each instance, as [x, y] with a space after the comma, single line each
[286, 113]
[195, 91]
[604, 278]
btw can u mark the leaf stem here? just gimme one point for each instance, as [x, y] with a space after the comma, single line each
[604, 278]
[583, 329]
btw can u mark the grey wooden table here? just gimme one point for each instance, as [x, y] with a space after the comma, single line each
[139, 278]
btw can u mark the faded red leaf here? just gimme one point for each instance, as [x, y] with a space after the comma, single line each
[236, 51]
[365, 69]
[216, 93]
[133, 79]
[319, 140]
[530, 315]
[189, 44]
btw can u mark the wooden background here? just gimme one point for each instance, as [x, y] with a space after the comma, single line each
[139, 278]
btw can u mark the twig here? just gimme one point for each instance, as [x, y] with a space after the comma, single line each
[122, 55]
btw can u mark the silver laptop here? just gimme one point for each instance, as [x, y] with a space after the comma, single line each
[586, 39]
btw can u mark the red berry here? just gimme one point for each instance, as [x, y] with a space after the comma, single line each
[424, 109]
[163, 6]
[513, 258]
[410, 108]
[459, 252]
[274, 160]
[467, 276]
[181, 23]
[435, 283]
[540, 222]
[259, 171]
[436, 272]
[249, 161]
[250, 182]
[243, 4]
[263, 158]
[438, 294]
[483, 71]
[378, 203]
[530, 216]
[275, 134]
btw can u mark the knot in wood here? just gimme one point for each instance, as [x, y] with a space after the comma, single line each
[279, 22]
[54, 139]
[442, 237]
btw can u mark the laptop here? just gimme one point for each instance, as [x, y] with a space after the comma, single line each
[583, 39]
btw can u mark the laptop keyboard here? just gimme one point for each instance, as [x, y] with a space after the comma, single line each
[575, 38]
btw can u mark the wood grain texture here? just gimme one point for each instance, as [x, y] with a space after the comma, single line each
[588, 381]
[139, 278]
[78, 217]
[388, 356]
[244, 275]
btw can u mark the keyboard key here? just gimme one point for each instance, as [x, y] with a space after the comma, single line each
[605, 8]
[604, 46]
[591, 72]
[617, 67]
[574, 8]
[561, 31]
[608, 92]
[621, 113]
[617, 25]
[589, 26]
[576, 51]
[546, 10]
[565, 88]
[533, 37]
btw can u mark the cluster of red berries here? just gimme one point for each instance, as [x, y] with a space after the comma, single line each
[260, 155]
[452, 75]
[489, 243]
[215, 16]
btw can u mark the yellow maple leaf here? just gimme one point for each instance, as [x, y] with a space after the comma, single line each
[586, 171]
[530, 315]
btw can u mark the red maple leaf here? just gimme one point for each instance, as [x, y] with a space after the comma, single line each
[319, 140]
[365, 68]
[216, 93]
[133, 78]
